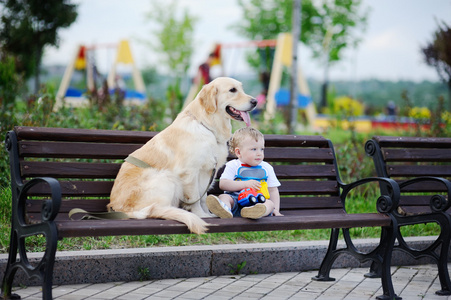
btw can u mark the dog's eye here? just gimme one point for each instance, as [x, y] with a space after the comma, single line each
[232, 90]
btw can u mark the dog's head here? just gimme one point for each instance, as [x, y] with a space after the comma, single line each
[226, 96]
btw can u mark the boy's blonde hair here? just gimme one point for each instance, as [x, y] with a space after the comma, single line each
[242, 133]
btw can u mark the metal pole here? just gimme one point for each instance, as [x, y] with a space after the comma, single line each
[296, 32]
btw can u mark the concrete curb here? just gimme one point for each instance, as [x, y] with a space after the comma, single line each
[97, 266]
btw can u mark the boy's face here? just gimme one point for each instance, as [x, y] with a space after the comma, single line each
[251, 152]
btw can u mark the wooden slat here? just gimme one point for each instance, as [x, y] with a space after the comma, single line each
[298, 155]
[424, 187]
[415, 142]
[289, 203]
[82, 135]
[69, 169]
[103, 188]
[92, 205]
[141, 137]
[75, 150]
[278, 140]
[308, 188]
[305, 171]
[415, 200]
[414, 210]
[419, 170]
[77, 189]
[117, 150]
[99, 205]
[417, 155]
[156, 226]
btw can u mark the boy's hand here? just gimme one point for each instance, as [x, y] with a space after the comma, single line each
[254, 184]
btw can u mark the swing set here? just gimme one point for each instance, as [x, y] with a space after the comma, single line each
[275, 56]
[84, 62]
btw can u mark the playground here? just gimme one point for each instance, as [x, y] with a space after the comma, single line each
[97, 86]
[124, 83]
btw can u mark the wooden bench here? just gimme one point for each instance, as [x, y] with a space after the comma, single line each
[54, 170]
[422, 167]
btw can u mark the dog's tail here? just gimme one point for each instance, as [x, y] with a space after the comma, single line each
[195, 224]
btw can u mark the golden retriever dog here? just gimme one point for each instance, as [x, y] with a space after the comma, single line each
[168, 177]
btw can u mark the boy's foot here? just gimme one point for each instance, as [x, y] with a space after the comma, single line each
[218, 207]
[254, 212]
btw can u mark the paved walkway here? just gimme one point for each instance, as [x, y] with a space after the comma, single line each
[411, 283]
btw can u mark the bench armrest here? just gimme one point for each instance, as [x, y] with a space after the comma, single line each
[50, 207]
[387, 202]
[437, 202]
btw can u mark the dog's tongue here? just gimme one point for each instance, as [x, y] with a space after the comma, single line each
[246, 117]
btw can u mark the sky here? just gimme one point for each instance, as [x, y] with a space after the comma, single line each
[390, 47]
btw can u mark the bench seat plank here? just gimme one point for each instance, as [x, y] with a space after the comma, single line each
[156, 226]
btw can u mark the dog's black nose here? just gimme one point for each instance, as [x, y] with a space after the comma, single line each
[254, 102]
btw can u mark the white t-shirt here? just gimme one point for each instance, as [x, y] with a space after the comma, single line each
[232, 167]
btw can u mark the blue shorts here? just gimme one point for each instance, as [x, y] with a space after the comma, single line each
[236, 210]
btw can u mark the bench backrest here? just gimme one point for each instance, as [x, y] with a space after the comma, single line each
[86, 163]
[404, 158]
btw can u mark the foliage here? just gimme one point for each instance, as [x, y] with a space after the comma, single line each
[9, 80]
[5, 218]
[175, 36]
[175, 46]
[236, 270]
[376, 94]
[28, 26]
[435, 122]
[346, 107]
[327, 27]
[420, 113]
[438, 54]
[323, 23]
[335, 27]
[265, 20]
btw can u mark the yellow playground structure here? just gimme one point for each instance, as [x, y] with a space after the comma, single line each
[84, 61]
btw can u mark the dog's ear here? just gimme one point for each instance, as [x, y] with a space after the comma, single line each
[208, 98]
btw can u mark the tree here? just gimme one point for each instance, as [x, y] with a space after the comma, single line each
[327, 25]
[265, 19]
[27, 26]
[334, 31]
[175, 44]
[438, 54]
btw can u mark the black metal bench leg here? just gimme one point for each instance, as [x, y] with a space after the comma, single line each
[442, 263]
[375, 270]
[443, 274]
[387, 284]
[47, 263]
[10, 271]
[43, 271]
[326, 265]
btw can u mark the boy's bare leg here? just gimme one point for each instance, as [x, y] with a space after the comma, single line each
[219, 207]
